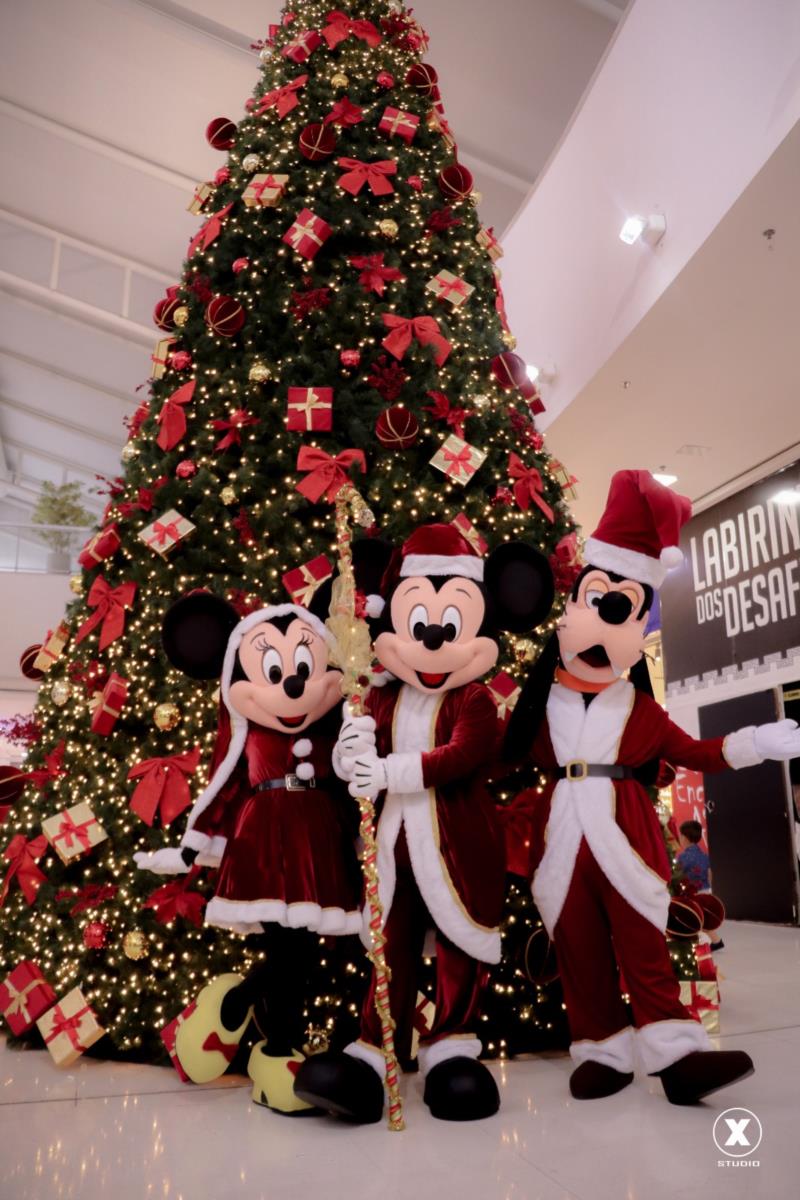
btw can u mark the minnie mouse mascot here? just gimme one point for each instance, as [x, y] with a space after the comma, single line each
[271, 820]
[597, 855]
[441, 860]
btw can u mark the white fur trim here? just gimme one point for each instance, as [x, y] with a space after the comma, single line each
[585, 807]
[239, 724]
[247, 917]
[375, 605]
[304, 770]
[368, 1054]
[433, 1053]
[671, 557]
[630, 564]
[209, 849]
[302, 748]
[466, 566]
[616, 1051]
[414, 727]
[661, 1043]
[404, 772]
[739, 748]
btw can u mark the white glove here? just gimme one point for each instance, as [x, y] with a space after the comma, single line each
[367, 774]
[167, 861]
[778, 739]
[356, 736]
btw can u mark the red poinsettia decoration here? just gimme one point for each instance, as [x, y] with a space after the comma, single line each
[442, 410]
[388, 378]
[232, 427]
[175, 900]
[442, 219]
[92, 895]
[303, 303]
[374, 275]
[241, 523]
[134, 423]
[145, 499]
[344, 113]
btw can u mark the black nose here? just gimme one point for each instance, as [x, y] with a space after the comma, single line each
[294, 686]
[615, 608]
[433, 637]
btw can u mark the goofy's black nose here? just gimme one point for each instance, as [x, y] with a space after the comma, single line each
[615, 608]
[433, 637]
[294, 686]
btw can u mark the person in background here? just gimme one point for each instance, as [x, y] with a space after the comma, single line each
[694, 864]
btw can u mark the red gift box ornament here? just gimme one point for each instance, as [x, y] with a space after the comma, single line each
[310, 409]
[108, 704]
[110, 605]
[73, 831]
[327, 474]
[161, 357]
[303, 581]
[24, 995]
[528, 486]
[302, 46]
[307, 233]
[340, 26]
[22, 857]
[457, 459]
[467, 530]
[447, 286]
[168, 1038]
[101, 545]
[398, 123]
[505, 693]
[163, 786]
[282, 99]
[424, 329]
[485, 237]
[172, 418]
[375, 174]
[263, 191]
[69, 1028]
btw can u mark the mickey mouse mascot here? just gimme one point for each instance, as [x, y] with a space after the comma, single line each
[599, 863]
[271, 820]
[441, 859]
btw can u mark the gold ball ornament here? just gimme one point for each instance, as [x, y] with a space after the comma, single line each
[228, 495]
[60, 692]
[259, 373]
[481, 401]
[180, 316]
[339, 80]
[388, 228]
[317, 1040]
[129, 452]
[135, 945]
[524, 650]
[265, 54]
[476, 198]
[166, 716]
[509, 339]
[76, 584]
[251, 162]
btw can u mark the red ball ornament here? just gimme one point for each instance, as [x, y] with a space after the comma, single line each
[349, 358]
[397, 428]
[509, 370]
[240, 264]
[316, 142]
[95, 934]
[186, 469]
[221, 133]
[181, 360]
[26, 661]
[422, 78]
[384, 80]
[12, 783]
[221, 176]
[225, 316]
[164, 311]
[455, 182]
[685, 917]
[712, 908]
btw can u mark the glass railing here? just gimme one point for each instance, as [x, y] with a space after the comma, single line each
[48, 549]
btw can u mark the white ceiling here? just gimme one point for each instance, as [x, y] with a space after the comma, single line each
[102, 116]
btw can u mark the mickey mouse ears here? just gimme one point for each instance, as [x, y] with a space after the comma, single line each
[195, 634]
[520, 583]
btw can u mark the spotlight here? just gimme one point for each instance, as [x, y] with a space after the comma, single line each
[649, 229]
[664, 478]
[787, 496]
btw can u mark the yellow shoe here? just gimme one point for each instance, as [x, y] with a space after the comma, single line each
[273, 1080]
[203, 1046]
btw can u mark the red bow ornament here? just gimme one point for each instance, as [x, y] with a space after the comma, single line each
[283, 99]
[172, 418]
[528, 486]
[109, 606]
[92, 895]
[340, 26]
[240, 418]
[163, 786]
[22, 857]
[208, 232]
[424, 329]
[375, 174]
[175, 900]
[344, 113]
[328, 474]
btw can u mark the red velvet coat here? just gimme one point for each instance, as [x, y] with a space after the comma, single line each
[453, 833]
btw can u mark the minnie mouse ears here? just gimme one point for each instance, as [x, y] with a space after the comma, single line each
[519, 582]
[195, 634]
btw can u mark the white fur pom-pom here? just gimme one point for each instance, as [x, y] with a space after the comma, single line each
[302, 748]
[304, 770]
[374, 606]
[671, 557]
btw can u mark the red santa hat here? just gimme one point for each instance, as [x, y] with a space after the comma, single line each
[439, 550]
[639, 531]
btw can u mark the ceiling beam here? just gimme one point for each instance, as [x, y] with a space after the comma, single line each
[69, 377]
[41, 414]
[203, 26]
[605, 8]
[73, 309]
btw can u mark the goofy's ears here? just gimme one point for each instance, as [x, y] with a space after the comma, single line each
[519, 584]
[195, 634]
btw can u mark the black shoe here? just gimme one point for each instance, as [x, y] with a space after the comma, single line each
[702, 1072]
[593, 1080]
[342, 1085]
[461, 1089]
[720, 945]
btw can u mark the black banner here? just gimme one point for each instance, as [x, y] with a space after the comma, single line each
[737, 595]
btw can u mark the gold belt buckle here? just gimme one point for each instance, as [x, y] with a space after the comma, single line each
[576, 768]
[293, 784]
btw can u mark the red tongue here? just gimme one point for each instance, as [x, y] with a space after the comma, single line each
[292, 720]
[431, 680]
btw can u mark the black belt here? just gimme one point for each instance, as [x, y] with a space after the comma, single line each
[290, 782]
[577, 769]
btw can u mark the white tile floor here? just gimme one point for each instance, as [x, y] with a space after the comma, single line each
[136, 1133]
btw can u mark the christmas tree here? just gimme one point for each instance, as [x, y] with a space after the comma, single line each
[338, 314]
